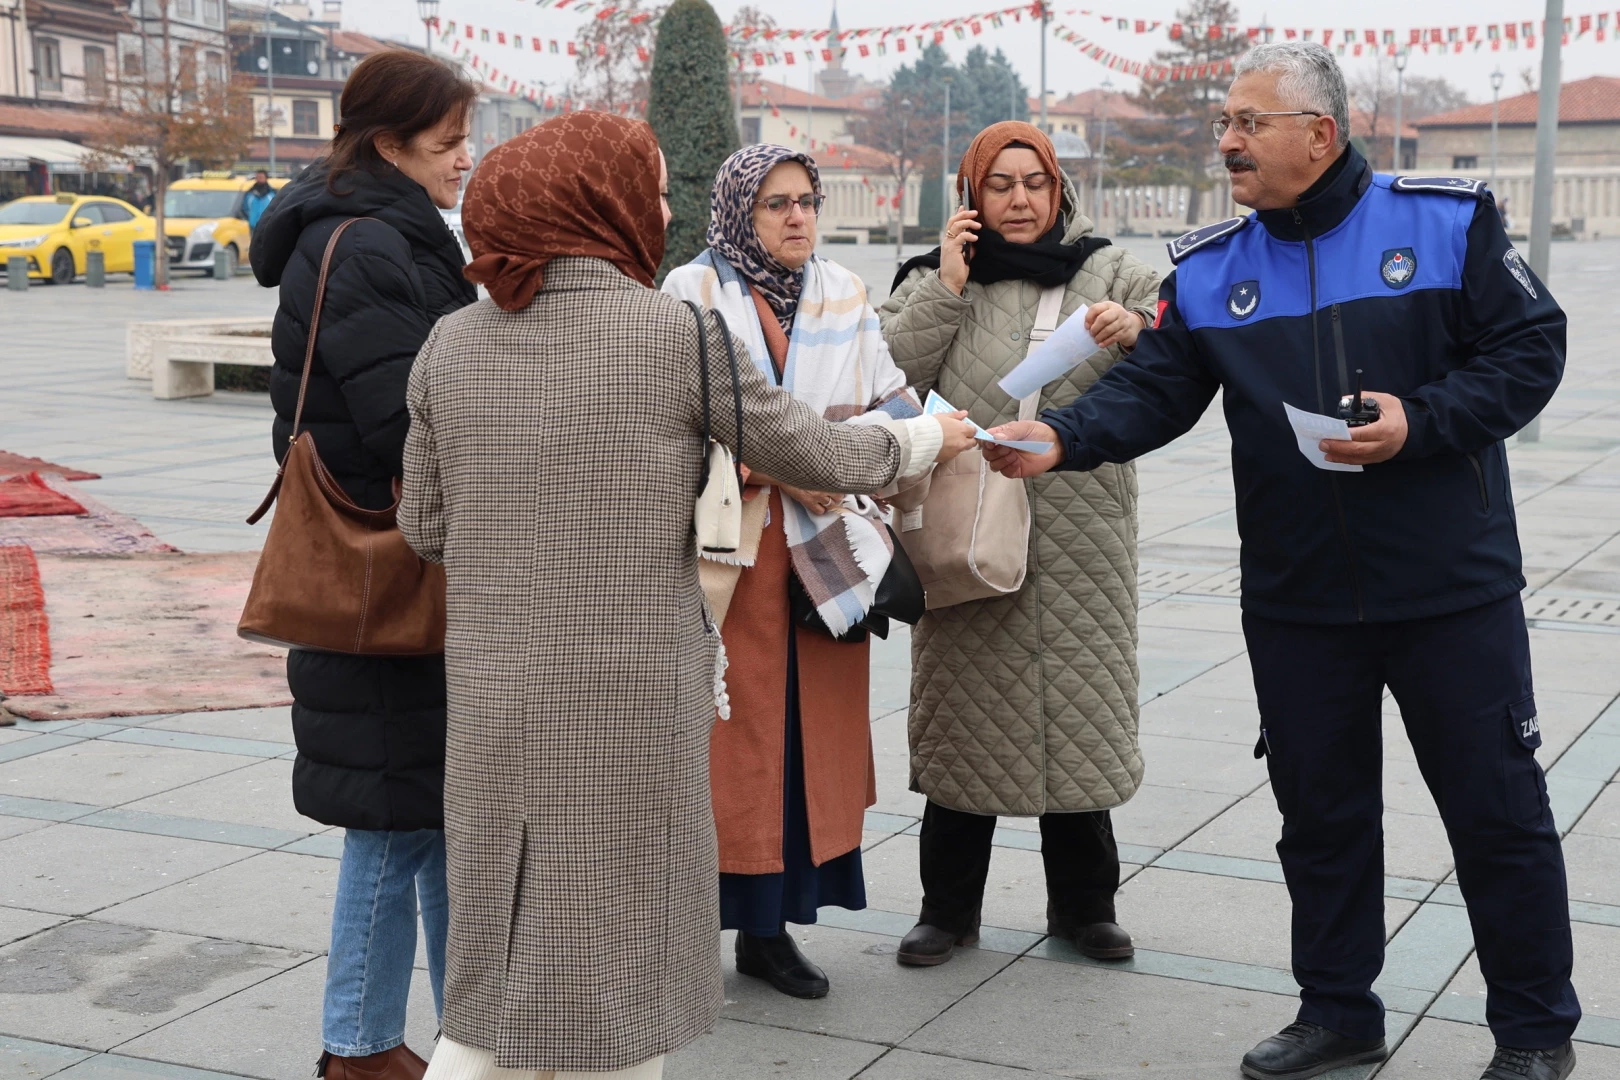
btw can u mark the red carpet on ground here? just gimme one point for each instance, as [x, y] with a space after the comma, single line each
[28, 495]
[11, 464]
[144, 634]
[25, 639]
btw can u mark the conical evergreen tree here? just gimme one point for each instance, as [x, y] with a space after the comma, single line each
[689, 107]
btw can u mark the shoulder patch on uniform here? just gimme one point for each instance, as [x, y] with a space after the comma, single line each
[1447, 185]
[1184, 245]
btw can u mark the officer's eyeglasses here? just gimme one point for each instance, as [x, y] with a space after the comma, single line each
[1247, 123]
[1001, 183]
[782, 204]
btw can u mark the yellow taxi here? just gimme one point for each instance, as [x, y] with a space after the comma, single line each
[55, 233]
[204, 214]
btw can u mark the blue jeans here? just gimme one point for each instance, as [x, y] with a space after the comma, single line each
[368, 973]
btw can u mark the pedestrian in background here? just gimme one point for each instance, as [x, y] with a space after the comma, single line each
[1025, 704]
[792, 771]
[370, 730]
[554, 457]
[257, 198]
[1402, 573]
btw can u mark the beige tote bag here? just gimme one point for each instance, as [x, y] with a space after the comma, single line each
[969, 536]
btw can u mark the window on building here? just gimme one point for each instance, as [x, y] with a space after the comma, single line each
[185, 9]
[211, 12]
[132, 64]
[505, 127]
[750, 130]
[306, 117]
[48, 63]
[95, 73]
[1465, 161]
[188, 73]
[214, 66]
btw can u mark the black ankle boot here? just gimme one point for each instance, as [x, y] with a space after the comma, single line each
[1303, 1049]
[779, 962]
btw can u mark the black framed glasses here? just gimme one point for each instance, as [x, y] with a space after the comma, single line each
[1002, 184]
[1247, 123]
[781, 204]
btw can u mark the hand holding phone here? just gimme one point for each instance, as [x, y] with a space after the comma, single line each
[955, 251]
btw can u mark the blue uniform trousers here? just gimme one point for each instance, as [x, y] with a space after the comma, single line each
[1463, 685]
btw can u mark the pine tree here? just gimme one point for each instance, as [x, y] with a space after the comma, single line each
[689, 107]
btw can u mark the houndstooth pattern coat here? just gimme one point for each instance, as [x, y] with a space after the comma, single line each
[552, 464]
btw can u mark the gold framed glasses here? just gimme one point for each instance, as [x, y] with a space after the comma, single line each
[1002, 184]
[782, 204]
[1248, 123]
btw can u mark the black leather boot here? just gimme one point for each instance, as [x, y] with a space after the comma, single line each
[779, 962]
[1303, 1049]
[1100, 941]
[1510, 1064]
[927, 946]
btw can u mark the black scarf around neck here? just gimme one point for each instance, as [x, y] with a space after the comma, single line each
[1047, 262]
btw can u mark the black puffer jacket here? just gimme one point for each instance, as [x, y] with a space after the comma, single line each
[370, 731]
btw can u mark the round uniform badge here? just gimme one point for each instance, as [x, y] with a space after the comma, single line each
[1242, 301]
[1397, 267]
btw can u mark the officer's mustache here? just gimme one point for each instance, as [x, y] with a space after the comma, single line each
[1240, 161]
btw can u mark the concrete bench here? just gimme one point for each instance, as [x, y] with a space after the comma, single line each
[183, 365]
[140, 337]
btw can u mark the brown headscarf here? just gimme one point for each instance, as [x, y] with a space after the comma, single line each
[992, 141]
[585, 183]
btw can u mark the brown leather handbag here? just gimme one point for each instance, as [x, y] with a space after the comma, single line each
[334, 577]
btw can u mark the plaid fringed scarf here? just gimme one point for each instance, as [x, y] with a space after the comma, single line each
[839, 365]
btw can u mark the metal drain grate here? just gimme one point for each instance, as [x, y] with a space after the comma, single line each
[1171, 579]
[1589, 610]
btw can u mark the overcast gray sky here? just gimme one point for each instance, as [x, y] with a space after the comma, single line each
[1067, 70]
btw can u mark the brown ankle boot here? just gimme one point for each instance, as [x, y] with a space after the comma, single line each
[400, 1063]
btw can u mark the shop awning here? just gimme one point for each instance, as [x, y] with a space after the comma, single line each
[58, 155]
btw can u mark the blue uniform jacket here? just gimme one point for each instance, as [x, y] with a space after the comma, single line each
[1413, 281]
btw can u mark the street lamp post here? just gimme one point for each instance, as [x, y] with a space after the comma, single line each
[1100, 153]
[1496, 92]
[270, 86]
[900, 195]
[945, 164]
[1046, 16]
[1541, 190]
[428, 12]
[1400, 102]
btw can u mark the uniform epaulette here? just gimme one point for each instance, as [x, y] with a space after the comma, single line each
[1184, 245]
[1448, 185]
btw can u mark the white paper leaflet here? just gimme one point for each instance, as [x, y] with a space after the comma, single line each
[1053, 358]
[1310, 429]
[937, 404]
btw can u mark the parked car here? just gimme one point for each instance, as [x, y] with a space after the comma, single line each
[56, 232]
[202, 214]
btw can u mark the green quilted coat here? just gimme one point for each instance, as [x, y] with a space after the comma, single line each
[1026, 703]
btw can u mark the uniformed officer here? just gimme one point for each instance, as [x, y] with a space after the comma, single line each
[1404, 573]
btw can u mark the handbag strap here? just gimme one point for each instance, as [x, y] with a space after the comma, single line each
[736, 388]
[1047, 314]
[703, 381]
[315, 321]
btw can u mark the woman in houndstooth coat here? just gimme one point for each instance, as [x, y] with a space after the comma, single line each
[552, 464]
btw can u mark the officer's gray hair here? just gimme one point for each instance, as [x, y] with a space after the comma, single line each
[1309, 79]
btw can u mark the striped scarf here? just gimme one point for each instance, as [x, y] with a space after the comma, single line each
[839, 365]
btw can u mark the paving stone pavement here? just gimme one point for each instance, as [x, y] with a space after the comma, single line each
[164, 909]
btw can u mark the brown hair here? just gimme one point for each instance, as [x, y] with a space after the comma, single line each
[394, 92]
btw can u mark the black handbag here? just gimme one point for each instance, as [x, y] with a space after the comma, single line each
[899, 596]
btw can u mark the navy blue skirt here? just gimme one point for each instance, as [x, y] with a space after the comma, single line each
[760, 903]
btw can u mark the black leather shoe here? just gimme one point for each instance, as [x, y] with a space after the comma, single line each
[926, 946]
[1303, 1049]
[779, 962]
[1510, 1064]
[1100, 941]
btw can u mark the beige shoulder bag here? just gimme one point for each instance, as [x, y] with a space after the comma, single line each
[969, 539]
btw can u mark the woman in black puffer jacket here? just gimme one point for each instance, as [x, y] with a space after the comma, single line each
[370, 730]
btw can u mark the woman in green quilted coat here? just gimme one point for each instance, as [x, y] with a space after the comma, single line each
[1025, 704]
